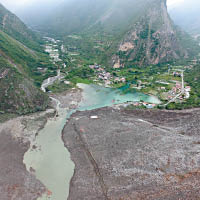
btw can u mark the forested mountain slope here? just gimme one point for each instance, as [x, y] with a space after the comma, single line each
[13, 26]
[18, 64]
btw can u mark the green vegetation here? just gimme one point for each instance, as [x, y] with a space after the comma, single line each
[92, 32]
[14, 27]
[27, 60]
[94, 36]
[59, 87]
[21, 57]
[18, 94]
[80, 75]
[192, 77]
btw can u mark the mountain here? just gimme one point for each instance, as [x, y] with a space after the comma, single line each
[44, 8]
[129, 31]
[18, 64]
[13, 26]
[189, 11]
[152, 39]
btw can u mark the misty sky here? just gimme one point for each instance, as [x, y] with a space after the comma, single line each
[174, 3]
[16, 4]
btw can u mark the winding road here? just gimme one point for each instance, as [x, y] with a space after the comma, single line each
[50, 81]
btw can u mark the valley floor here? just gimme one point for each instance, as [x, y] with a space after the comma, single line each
[134, 154]
[118, 153]
[16, 137]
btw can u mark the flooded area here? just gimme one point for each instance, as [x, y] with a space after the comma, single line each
[95, 96]
[49, 159]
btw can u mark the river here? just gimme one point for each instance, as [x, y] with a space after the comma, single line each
[51, 160]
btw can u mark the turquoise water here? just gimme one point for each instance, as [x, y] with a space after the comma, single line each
[51, 160]
[95, 96]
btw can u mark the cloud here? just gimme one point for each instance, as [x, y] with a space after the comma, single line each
[13, 5]
[174, 3]
[16, 4]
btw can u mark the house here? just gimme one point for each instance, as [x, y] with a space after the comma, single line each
[174, 89]
[91, 66]
[107, 83]
[123, 80]
[117, 79]
[187, 88]
[96, 67]
[100, 69]
[176, 74]
[187, 95]
[163, 88]
[136, 104]
[178, 85]
[150, 106]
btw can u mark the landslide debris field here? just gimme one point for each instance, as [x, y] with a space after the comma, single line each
[15, 135]
[134, 154]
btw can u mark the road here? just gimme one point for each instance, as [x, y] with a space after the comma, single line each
[50, 81]
[172, 100]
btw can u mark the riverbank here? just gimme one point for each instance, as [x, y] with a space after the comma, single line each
[48, 144]
[50, 150]
[134, 154]
[15, 138]
[68, 99]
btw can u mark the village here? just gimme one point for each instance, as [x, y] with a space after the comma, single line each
[176, 89]
[104, 77]
[168, 86]
[52, 49]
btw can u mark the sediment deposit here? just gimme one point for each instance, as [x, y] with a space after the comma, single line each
[134, 154]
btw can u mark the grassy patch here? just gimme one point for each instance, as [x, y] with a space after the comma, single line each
[59, 87]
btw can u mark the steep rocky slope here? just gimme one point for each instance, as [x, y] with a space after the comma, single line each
[154, 39]
[136, 32]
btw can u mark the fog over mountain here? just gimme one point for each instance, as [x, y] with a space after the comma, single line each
[34, 11]
[187, 15]
[19, 5]
[125, 21]
[20, 55]
[31, 11]
[87, 93]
